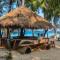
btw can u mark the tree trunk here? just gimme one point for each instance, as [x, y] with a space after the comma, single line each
[19, 2]
[52, 21]
[0, 36]
[55, 32]
[23, 2]
[10, 3]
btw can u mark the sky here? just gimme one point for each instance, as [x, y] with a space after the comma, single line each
[40, 12]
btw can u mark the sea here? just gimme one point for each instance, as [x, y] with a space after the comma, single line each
[35, 33]
[30, 32]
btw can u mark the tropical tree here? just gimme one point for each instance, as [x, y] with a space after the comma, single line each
[52, 11]
[52, 8]
[7, 5]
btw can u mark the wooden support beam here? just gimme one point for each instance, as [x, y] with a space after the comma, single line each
[8, 38]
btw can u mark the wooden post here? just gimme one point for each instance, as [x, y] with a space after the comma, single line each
[22, 33]
[0, 36]
[45, 31]
[32, 32]
[18, 32]
[8, 38]
[21, 2]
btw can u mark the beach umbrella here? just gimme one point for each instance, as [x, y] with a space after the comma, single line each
[24, 18]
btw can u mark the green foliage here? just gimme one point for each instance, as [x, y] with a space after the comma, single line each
[54, 5]
[34, 4]
[52, 8]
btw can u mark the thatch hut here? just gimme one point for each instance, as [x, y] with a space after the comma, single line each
[22, 17]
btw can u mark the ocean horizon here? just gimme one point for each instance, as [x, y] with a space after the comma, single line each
[29, 32]
[35, 33]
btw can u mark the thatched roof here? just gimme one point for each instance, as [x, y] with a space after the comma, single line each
[24, 17]
[20, 21]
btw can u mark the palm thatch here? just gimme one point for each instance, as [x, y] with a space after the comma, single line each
[24, 17]
[19, 21]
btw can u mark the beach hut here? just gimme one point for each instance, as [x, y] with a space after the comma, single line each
[23, 17]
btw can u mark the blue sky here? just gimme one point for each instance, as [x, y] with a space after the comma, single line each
[40, 12]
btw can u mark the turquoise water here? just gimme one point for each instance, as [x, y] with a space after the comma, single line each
[29, 32]
[35, 33]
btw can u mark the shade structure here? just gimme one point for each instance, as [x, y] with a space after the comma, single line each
[25, 18]
[20, 21]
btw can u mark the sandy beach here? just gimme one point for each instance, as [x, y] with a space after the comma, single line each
[52, 54]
